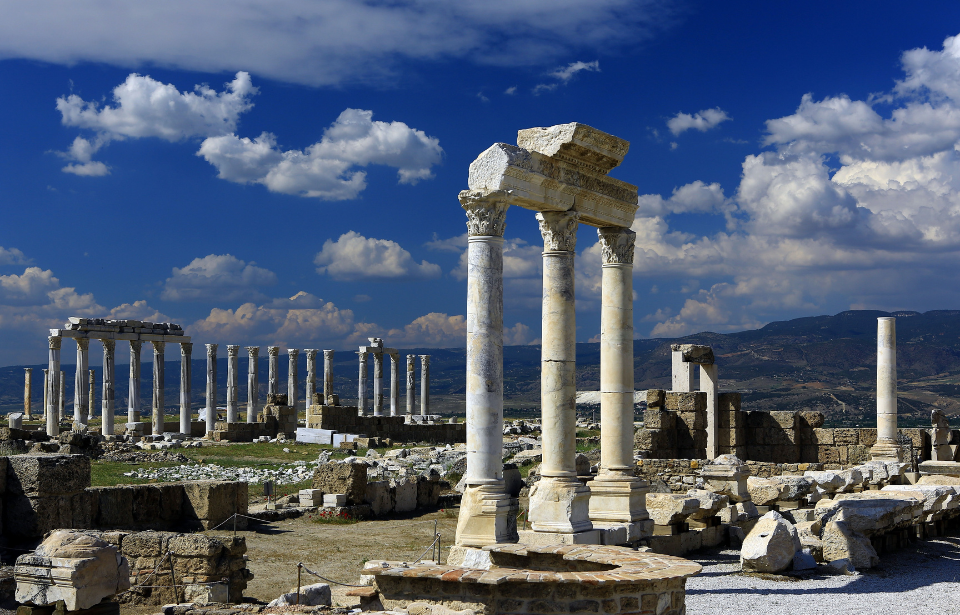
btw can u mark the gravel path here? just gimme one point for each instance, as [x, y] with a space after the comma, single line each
[923, 578]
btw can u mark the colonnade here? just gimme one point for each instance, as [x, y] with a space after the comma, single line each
[377, 351]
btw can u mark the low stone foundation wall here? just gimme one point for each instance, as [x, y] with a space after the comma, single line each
[196, 560]
[344, 419]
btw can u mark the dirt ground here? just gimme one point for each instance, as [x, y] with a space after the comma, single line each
[337, 552]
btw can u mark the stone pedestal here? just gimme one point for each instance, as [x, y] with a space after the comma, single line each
[109, 387]
[728, 479]
[886, 446]
[488, 515]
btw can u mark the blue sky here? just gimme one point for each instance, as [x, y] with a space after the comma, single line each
[791, 160]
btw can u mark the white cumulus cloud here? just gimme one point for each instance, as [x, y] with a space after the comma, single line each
[564, 74]
[703, 120]
[217, 277]
[326, 169]
[354, 256]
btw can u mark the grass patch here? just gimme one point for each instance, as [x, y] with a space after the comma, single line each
[525, 470]
[110, 473]
[257, 450]
[584, 446]
[588, 433]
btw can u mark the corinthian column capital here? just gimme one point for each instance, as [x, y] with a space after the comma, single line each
[617, 245]
[486, 213]
[559, 230]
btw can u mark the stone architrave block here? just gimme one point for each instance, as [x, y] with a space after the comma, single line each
[845, 436]
[694, 353]
[347, 478]
[695, 401]
[47, 475]
[78, 569]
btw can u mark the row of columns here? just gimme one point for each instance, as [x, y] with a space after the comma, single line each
[378, 396]
[560, 503]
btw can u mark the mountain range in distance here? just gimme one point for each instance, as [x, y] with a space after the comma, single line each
[825, 363]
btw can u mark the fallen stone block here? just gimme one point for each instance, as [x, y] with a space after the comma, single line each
[317, 594]
[710, 503]
[842, 542]
[770, 546]
[669, 508]
[78, 569]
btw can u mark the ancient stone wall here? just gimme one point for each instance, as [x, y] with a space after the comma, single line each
[344, 419]
[41, 493]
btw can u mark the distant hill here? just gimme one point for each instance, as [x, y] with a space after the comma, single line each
[825, 363]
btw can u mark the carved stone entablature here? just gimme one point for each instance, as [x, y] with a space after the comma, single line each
[577, 144]
[559, 230]
[486, 212]
[617, 245]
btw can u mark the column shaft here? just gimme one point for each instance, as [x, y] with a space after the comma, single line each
[378, 384]
[109, 394]
[80, 391]
[211, 410]
[233, 384]
[273, 370]
[158, 384]
[92, 397]
[133, 391]
[293, 377]
[709, 384]
[682, 373]
[53, 387]
[46, 393]
[616, 369]
[411, 383]
[362, 385]
[311, 386]
[253, 383]
[424, 384]
[186, 386]
[394, 383]
[63, 396]
[327, 377]
[886, 446]
[27, 386]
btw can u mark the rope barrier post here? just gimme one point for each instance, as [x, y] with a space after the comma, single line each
[439, 552]
[234, 523]
[173, 579]
[436, 556]
[299, 568]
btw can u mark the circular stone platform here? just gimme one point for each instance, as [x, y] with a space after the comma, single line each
[544, 579]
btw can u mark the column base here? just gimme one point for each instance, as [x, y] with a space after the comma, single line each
[886, 450]
[618, 499]
[487, 516]
[560, 505]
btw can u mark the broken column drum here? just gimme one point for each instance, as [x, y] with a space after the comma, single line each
[411, 383]
[53, 387]
[27, 385]
[617, 496]
[211, 409]
[273, 370]
[80, 391]
[886, 446]
[253, 383]
[311, 376]
[109, 386]
[186, 385]
[487, 512]
[233, 383]
[328, 377]
[293, 377]
[158, 417]
[133, 389]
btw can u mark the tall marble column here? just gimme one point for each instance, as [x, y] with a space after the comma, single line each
[311, 387]
[253, 383]
[362, 386]
[378, 384]
[394, 383]
[617, 496]
[682, 379]
[211, 410]
[27, 385]
[327, 377]
[62, 392]
[709, 384]
[411, 383]
[273, 370]
[186, 386]
[233, 383]
[92, 395]
[293, 377]
[109, 394]
[560, 503]
[158, 405]
[133, 390]
[46, 393]
[424, 384]
[488, 514]
[886, 446]
[80, 391]
[53, 386]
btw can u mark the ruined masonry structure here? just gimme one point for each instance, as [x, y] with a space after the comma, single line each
[107, 332]
[561, 173]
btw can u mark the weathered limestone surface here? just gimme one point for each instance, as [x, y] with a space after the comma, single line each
[771, 545]
[347, 478]
[670, 508]
[841, 542]
[71, 566]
